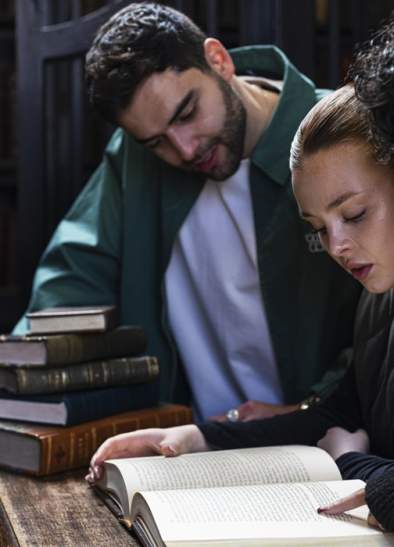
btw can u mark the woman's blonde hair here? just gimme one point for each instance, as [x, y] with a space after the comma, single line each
[338, 118]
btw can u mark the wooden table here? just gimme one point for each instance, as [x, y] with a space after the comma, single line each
[56, 511]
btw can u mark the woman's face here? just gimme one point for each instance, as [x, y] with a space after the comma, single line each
[349, 200]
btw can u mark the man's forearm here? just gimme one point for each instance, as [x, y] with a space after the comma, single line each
[301, 427]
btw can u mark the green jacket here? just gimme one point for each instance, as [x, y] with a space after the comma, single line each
[114, 245]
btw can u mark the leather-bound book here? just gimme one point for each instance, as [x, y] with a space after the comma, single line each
[66, 349]
[41, 450]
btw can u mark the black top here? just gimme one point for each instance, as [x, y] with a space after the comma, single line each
[363, 399]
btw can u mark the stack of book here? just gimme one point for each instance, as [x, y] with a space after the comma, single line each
[83, 377]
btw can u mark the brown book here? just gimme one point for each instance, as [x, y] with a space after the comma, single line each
[95, 374]
[73, 319]
[66, 349]
[42, 450]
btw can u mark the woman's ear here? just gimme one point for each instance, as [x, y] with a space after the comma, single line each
[219, 59]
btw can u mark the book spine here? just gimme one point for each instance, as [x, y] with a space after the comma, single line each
[68, 349]
[95, 404]
[73, 447]
[114, 372]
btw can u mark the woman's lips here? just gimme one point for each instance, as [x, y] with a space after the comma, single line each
[208, 161]
[361, 272]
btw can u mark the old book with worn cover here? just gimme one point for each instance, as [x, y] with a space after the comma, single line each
[77, 407]
[243, 497]
[91, 375]
[41, 450]
[73, 319]
[66, 349]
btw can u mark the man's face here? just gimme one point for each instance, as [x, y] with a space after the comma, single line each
[191, 119]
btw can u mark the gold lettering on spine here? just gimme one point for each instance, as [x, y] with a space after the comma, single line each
[48, 444]
[72, 447]
[64, 379]
[94, 437]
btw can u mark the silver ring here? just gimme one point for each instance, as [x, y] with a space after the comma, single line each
[232, 415]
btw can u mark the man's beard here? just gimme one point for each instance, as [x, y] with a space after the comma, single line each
[232, 135]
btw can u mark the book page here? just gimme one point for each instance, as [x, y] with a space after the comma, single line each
[286, 511]
[279, 464]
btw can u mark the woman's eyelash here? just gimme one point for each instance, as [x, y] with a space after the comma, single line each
[355, 218]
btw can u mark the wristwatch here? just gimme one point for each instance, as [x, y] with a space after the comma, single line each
[312, 400]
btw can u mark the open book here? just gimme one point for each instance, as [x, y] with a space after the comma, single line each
[251, 496]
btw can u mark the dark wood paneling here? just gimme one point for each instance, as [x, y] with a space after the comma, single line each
[51, 160]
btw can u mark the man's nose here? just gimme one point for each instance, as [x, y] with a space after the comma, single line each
[184, 143]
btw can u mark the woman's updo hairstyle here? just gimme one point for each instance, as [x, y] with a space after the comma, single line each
[338, 118]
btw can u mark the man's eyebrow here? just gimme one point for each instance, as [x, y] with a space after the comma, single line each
[180, 107]
[335, 203]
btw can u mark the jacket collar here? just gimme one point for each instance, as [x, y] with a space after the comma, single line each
[271, 154]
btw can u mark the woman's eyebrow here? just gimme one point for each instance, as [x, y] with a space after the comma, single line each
[334, 203]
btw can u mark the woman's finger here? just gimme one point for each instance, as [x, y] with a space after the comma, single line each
[345, 504]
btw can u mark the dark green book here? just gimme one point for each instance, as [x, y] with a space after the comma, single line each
[94, 374]
[66, 349]
[77, 407]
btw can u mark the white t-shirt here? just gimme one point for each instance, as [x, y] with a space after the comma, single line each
[216, 311]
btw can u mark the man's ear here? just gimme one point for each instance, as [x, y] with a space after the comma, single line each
[218, 58]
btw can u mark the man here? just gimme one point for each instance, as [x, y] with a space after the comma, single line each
[189, 224]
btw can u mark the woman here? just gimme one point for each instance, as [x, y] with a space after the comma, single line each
[348, 197]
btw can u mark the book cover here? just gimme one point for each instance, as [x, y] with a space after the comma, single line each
[76, 407]
[42, 450]
[66, 349]
[73, 319]
[91, 375]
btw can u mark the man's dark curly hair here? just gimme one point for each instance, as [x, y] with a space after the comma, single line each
[373, 76]
[136, 42]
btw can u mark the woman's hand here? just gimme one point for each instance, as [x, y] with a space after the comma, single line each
[349, 502]
[338, 441]
[147, 442]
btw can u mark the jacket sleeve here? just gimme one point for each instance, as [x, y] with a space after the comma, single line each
[379, 475]
[341, 409]
[81, 264]
[379, 495]
[356, 465]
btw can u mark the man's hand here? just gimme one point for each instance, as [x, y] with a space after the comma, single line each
[338, 441]
[256, 410]
[349, 502]
[147, 442]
